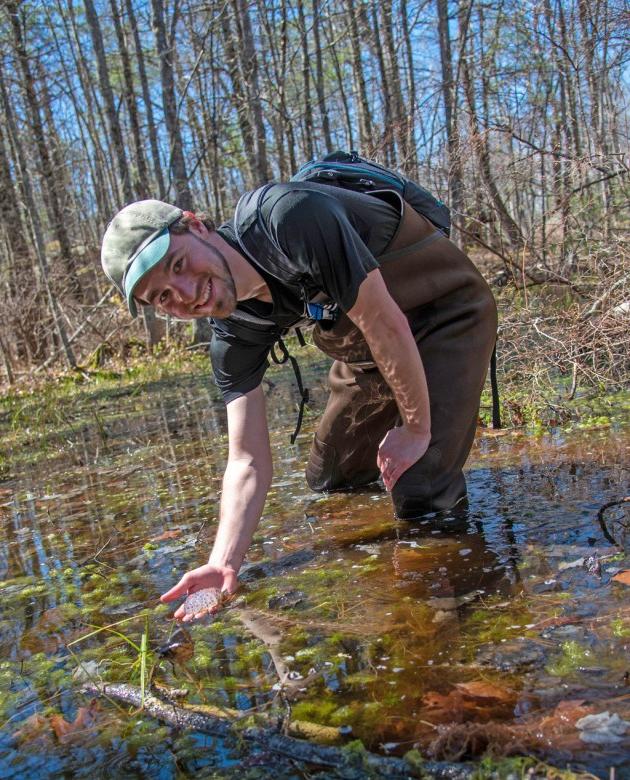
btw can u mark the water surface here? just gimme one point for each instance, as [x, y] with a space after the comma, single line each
[498, 627]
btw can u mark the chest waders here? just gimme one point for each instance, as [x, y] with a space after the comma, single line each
[453, 317]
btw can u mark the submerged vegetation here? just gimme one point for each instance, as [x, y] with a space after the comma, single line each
[481, 640]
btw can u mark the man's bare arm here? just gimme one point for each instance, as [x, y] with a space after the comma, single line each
[395, 352]
[246, 480]
[245, 485]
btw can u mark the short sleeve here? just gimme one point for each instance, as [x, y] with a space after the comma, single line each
[315, 231]
[238, 366]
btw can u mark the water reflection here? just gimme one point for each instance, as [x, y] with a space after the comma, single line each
[393, 616]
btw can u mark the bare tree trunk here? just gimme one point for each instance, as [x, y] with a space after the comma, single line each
[398, 118]
[363, 104]
[575, 124]
[88, 115]
[146, 97]
[6, 360]
[345, 102]
[249, 67]
[306, 84]
[455, 174]
[387, 137]
[38, 234]
[108, 96]
[239, 98]
[177, 166]
[412, 166]
[480, 140]
[10, 214]
[141, 185]
[275, 46]
[48, 173]
[319, 81]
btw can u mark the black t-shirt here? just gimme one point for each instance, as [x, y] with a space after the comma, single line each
[329, 237]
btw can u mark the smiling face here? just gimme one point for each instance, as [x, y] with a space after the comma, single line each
[192, 280]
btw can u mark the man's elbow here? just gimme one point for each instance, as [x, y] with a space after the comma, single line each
[252, 467]
[391, 324]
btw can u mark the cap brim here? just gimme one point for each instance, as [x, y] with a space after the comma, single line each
[142, 264]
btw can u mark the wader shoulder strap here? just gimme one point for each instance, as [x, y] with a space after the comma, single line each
[496, 408]
[304, 394]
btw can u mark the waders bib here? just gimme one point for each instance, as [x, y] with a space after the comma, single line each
[453, 317]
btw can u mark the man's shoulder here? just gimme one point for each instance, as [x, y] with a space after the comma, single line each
[298, 201]
[278, 201]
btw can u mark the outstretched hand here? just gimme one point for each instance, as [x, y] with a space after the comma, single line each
[207, 576]
[398, 451]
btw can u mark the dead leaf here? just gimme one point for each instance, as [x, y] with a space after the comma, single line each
[444, 709]
[35, 730]
[478, 701]
[562, 720]
[556, 622]
[85, 719]
[480, 689]
[623, 576]
[172, 534]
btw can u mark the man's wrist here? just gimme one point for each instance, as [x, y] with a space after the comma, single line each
[418, 429]
[221, 562]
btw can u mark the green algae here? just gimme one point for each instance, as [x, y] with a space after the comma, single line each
[574, 655]
[620, 628]
[355, 610]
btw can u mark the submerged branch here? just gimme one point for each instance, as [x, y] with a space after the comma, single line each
[344, 761]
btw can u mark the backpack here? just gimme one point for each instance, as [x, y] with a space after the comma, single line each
[348, 170]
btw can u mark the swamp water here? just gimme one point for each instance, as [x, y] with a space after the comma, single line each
[498, 629]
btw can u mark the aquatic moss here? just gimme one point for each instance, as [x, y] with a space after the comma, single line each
[620, 628]
[522, 768]
[414, 758]
[39, 589]
[319, 711]
[573, 656]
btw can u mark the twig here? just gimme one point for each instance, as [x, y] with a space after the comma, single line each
[600, 517]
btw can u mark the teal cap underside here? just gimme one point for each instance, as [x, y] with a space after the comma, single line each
[143, 263]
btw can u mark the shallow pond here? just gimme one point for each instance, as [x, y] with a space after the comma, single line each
[498, 629]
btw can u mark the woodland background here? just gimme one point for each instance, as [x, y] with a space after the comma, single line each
[515, 113]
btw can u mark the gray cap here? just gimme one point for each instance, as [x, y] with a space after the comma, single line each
[135, 240]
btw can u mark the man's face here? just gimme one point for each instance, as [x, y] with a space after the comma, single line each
[192, 280]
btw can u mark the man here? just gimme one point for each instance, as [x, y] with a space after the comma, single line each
[415, 330]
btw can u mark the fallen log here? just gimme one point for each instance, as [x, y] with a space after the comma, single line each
[344, 762]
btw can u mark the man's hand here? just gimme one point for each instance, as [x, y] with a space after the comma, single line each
[398, 451]
[396, 354]
[207, 576]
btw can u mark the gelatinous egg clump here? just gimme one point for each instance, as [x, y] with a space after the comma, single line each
[202, 600]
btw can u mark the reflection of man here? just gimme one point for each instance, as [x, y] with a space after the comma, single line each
[402, 291]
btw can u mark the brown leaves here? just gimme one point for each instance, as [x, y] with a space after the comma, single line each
[84, 721]
[171, 534]
[49, 633]
[474, 700]
[481, 689]
[623, 577]
[34, 731]
[39, 728]
[458, 741]
[558, 729]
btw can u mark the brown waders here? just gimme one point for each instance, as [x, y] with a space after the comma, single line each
[452, 315]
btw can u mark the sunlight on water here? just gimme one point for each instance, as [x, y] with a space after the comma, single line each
[500, 625]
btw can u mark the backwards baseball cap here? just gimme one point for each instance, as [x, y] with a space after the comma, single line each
[136, 240]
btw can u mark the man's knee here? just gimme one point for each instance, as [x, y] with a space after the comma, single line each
[321, 469]
[325, 470]
[419, 494]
